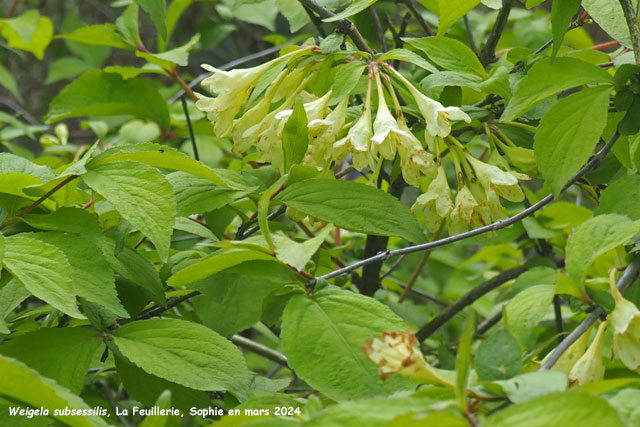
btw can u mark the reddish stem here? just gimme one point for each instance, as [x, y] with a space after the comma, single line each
[612, 43]
[13, 8]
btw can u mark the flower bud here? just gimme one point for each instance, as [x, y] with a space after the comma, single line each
[569, 358]
[461, 217]
[396, 353]
[62, 132]
[589, 367]
[625, 322]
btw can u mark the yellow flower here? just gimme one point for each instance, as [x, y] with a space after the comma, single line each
[435, 205]
[437, 117]
[386, 131]
[625, 321]
[492, 177]
[357, 142]
[62, 132]
[571, 355]
[589, 367]
[413, 158]
[396, 353]
[461, 216]
[324, 132]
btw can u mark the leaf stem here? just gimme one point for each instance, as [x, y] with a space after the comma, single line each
[488, 53]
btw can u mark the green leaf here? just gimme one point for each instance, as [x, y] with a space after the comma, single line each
[185, 353]
[127, 25]
[131, 72]
[92, 277]
[198, 195]
[146, 388]
[568, 133]
[333, 327]
[297, 254]
[545, 79]
[67, 220]
[100, 35]
[368, 412]
[625, 402]
[450, 12]
[593, 238]
[157, 10]
[295, 14]
[187, 225]
[62, 354]
[8, 82]
[562, 13]
[21, 34]
[533, 384]
[214, 263]
[498, 358]
[169, 59]
[449, 53]
[133, 267]
[231, 300]
[141, 194]
[346, 79]
[295, 137]
[609, 16]
[408, 56]
[65, 68]
[618, 198]
[167, 420]
[526, 310]
[24, 386]
[158, 156]
[557, 409]
[353, 206]
[353, 8]
[44, 270]
[463, 359]
[97, 93]
[11, 295]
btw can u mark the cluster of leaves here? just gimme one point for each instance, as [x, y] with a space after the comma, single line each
[155, 265]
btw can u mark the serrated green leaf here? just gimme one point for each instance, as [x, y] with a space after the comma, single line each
[169, 59]
[44, 270]
[213, 264]
[198, 195]
[449, 54]
[557, 409]
[92, 276]
[295, 14]
[295, 137]
[97, 93]
[101, 35]
[347, 77]
[187, 225]
[11, 295]
[408, 56]
[450, 12]
[62, 354]
[498, 358]
[333, 326]
[9, 82]
[157, 10]
[353, 8]
[353, 206]
[185, 353]
[593, 238]
[65, 68]
[127, 25]
[609, 16]
[526, 310]
[568, 133]
[131, 72]
[20, 33]
[297, 254]
[141, 194]
[67, 220]
[533, 384]
[617, 198]
[545, 79]
[561, 15]
[24, 386]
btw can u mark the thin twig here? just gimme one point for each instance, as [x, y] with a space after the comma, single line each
[260, 349]
[631, 16]
[315, 21]
[412, 280]
[557, 310]
[393, 267]
[487, 324]
[377, 25]
[155, 312]
[630, 274]
[13, 8]
[591, 164]
[193, 138]
[345, 25]
[472, 39]
[468, 299]
[419, 292]
[41, 199]
[416, 13]
[487, 55]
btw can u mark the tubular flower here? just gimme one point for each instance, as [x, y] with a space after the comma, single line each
[435, 205]
[413, 158]
[572, 355]
[503, 183]
[396, 353]
[589, 367]
[385, 127]
[462, 214]
[625, 321]
[324, 132]
[357, 142]
[437, 117]
[270, 140]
